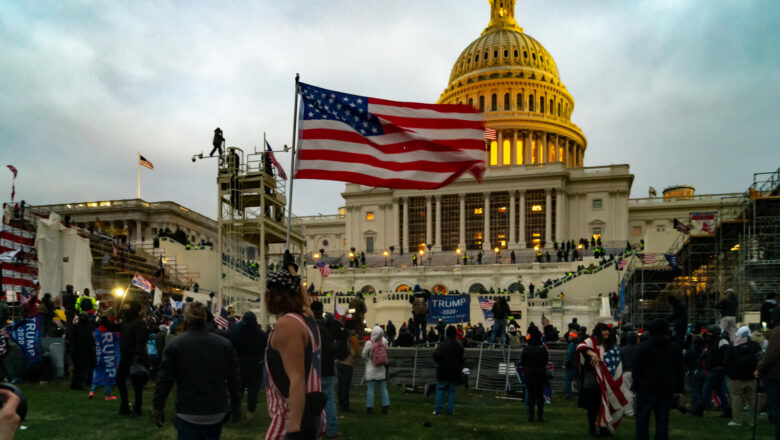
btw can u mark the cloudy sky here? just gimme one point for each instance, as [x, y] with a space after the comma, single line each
[684, 91]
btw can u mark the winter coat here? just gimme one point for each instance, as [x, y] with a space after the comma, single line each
[500, 310]
[373, 372]
[766, 310]
[250, 342]
[742, 360]
[449, 357]
[770, 364]
[132, 341]
[629, 352]
[534, 359]
[728, 305]
[659, 367]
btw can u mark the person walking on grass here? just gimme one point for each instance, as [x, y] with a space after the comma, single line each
[375, 356]
[534, 360]
[449, 357]
[250, 341]
[769, 372]
[205, 369]
[329, 330]
[658, 380]
[741, 363]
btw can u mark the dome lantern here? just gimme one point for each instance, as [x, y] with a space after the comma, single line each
[502, 16]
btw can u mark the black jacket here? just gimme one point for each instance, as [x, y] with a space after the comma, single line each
[767, 308]
[204, 367]
[742, 360]
[391, 330]
[250, 341]
[500, 310]
[133, 341]
[449, 357]
[534, 359]
[658, 368]
[329, 332]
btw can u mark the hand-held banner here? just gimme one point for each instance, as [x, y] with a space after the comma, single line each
[107, 351]
[453, 309]
[27, 333]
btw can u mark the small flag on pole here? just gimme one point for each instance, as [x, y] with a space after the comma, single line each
[222, 319]
[24, 298]
[141, 282]
[647, 258]
[276, 163]
[324, 269]
[144, 162]
[490, 133]
[680, 227]
[13, 184]
[706, 228]
[672, 259]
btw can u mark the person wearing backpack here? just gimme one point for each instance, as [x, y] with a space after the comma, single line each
[375, 355]
[741, 363]
[86, 304]
[420, 313]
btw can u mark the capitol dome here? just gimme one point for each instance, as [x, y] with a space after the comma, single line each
[513, 79]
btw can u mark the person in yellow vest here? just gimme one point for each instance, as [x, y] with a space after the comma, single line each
[86, 304]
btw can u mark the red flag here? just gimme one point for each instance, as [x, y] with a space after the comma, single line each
[276, 163]
[13, 170]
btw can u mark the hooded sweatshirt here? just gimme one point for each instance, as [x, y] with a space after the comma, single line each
[373, 372]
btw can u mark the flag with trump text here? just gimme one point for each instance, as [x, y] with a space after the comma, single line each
[390, 144]
[141, 282]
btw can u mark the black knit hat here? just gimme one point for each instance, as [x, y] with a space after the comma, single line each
[283, 282]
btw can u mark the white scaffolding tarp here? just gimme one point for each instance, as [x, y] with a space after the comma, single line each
[47, 245]
[77, 261]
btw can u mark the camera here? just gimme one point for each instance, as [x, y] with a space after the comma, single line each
[21, 410]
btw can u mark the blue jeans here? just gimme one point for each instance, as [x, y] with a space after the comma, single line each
[449, 388]
[331, 416]
[772, 388]
[382, 390]
[499, 331]
[95, 387]
[569, 377]
[191, 431]
[715, 381]
[696, 383]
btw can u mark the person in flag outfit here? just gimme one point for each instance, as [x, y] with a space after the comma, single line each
[293, 360]
[601, 371]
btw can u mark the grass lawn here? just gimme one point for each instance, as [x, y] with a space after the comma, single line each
[55, 412]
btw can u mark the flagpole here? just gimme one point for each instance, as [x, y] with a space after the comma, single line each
[292, 163]
[138, 166]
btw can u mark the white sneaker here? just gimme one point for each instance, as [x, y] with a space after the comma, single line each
[733, 423]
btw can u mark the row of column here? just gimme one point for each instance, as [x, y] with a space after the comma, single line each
[573, 152]
[433, 230]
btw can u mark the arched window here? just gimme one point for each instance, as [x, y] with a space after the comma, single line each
[493, 153]
[516, 53]
[530, 103]
[440, 289]
[533, 55]
[477, 288]
[403, 288]
[476, 58]
[541, 104]
[516, 287]
[471, 102]
[506, 102]
[520, 103]
[525, 54]
[367, 290]
[559, 109]
[482, 103]
[485, 57]
[506, 53]
[495, 54]
[493, 102]
[551, 106]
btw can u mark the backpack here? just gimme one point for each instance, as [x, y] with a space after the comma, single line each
[86, 304]
[420, 306]
[378, 353]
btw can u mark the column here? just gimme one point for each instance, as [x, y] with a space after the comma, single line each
[548, 219]
[486, 223]
[396, 239]
[462, 230]
[553, 143]
[138, 233]
[528, 137]
[428, 222]
[499, 147]
[437, 237]
[521, 211]
[560, 215]
[405, 241]
[545, 149]
[512, 240]
[513, 159]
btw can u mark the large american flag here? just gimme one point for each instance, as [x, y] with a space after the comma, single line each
[648, 258]
[376, 142]
[17, 246]
[609, 375]
[222, 319]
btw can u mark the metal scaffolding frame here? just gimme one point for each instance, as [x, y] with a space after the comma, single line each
[742, 252]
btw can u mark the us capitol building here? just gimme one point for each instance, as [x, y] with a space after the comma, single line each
[535, 191]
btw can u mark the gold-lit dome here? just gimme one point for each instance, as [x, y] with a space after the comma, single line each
[505, 49]
[514, 81]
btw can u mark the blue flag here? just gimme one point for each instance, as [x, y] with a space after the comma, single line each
[107, 351]
[27, 333]
[453, 309]
[623, 294]
[672, 259]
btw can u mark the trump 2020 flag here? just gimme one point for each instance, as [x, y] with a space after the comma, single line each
[107, 350]
[142, 283]
[27, 333]
[376, 142]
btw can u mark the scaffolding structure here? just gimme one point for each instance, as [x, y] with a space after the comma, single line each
[741, 251]
[250, 210]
